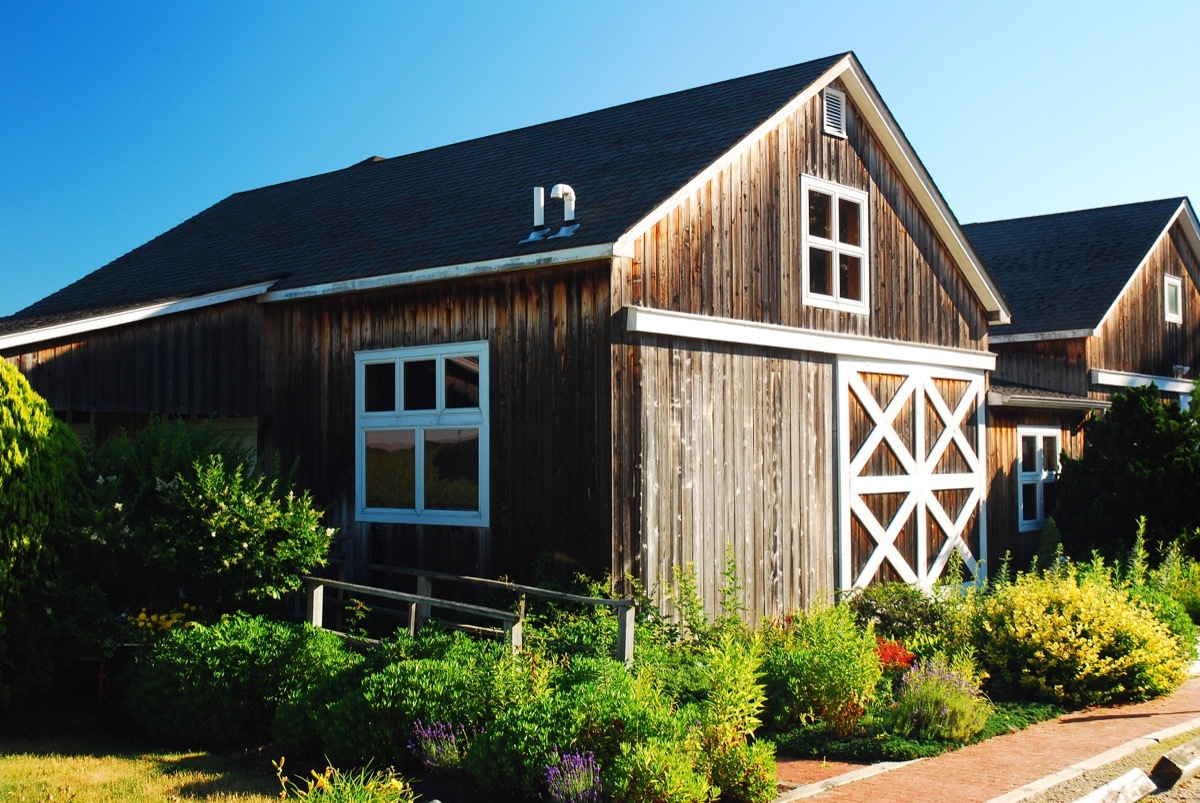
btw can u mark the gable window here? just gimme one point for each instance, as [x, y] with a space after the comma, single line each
[835, 237]
[421, 450]
[1173, 299]
[1037, 472]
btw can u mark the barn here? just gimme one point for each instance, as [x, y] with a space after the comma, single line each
[739, 318]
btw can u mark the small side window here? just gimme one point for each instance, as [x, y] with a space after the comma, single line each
[1173, 299]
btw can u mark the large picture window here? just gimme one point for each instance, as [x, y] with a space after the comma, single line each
[1037, 471]
[835, 246]
[422, 434]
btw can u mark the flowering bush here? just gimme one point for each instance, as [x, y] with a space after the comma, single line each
[335, 786]
[937, 702]
[892, 655]
[574, 777]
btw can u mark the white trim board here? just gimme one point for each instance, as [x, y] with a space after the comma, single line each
[642, 320]
[1125, 379]
[463, 270]
[96, 322]
[916, 177]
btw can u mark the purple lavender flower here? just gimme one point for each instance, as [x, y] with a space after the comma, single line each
[574, 778]
[440, 746]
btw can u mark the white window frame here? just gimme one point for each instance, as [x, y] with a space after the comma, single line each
[834, 247]
[1176, 283]
[421, 420]
[1040, 476]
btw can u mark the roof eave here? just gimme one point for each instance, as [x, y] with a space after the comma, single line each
[1033, 337]
[41, 334]
[998, 398]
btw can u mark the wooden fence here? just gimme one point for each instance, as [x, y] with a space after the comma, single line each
[421, 604]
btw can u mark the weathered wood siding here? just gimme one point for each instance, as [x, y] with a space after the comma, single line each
[733, 248]
[1135, 337]
[1059, 365]
[202, 363]
[1004, 536]
[550, 421]
[736, 452]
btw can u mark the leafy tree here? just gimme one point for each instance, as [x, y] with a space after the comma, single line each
[38, 481]
[1141, 458]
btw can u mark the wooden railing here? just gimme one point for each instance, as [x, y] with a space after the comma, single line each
[423, 602]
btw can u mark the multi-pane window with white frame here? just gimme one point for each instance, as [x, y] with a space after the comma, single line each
[1037, 473]
[421, 453]
[835, 244]
[1173, 299]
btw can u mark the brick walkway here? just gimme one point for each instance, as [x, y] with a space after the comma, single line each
[998, 766]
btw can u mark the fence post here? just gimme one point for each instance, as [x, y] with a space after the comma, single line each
[316, 601]
[625, 616]
[413, 622]
[516, 630]
[425, 589]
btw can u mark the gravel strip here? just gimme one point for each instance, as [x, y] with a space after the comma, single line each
[1080, 785]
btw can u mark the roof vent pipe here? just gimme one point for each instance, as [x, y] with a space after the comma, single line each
[565, 192]
[539, 207]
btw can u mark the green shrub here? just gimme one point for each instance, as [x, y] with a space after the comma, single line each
[820, 666]
[897, 610]
[659, 770]
[1076, 640]
[1171, 613]
[218, 686]
[39, 456]
[176, 512]
[936, 702]
[1179, 576]
[746, 772]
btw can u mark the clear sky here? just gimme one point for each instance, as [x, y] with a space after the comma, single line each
[119, 120]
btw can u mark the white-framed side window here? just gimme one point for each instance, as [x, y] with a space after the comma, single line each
[421, 448]
[1173, 299]
[1038, 449]
[835, 238]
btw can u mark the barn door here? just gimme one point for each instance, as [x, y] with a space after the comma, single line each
[911, 469]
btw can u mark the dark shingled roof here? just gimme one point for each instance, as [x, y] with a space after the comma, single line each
[456, 204]
[1062, 272]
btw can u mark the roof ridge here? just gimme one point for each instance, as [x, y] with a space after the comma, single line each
[1112, 207]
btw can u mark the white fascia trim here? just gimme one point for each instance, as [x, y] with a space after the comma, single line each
[1126, 379]
[1030, 337]
[998, 398]
[642, 320]
[898, 148]
[463, 270]
[129, 316]
[1193, 235]
[929, 197]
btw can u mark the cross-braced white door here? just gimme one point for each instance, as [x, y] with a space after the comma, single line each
[911, 469]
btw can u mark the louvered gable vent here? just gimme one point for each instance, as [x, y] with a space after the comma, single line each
[835, 112]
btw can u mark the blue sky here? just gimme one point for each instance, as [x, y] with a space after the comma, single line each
[118, 120]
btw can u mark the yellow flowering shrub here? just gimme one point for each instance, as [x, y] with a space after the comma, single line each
[1075, 640]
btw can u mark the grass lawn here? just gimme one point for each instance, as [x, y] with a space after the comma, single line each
[95, 769]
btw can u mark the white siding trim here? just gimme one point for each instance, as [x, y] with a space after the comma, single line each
[641, 320]
[460, 271]
[97, 322]
[998, 398]
[1125, 379]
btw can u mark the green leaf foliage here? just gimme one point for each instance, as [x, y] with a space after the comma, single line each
[1141, 457]
[39, 456]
